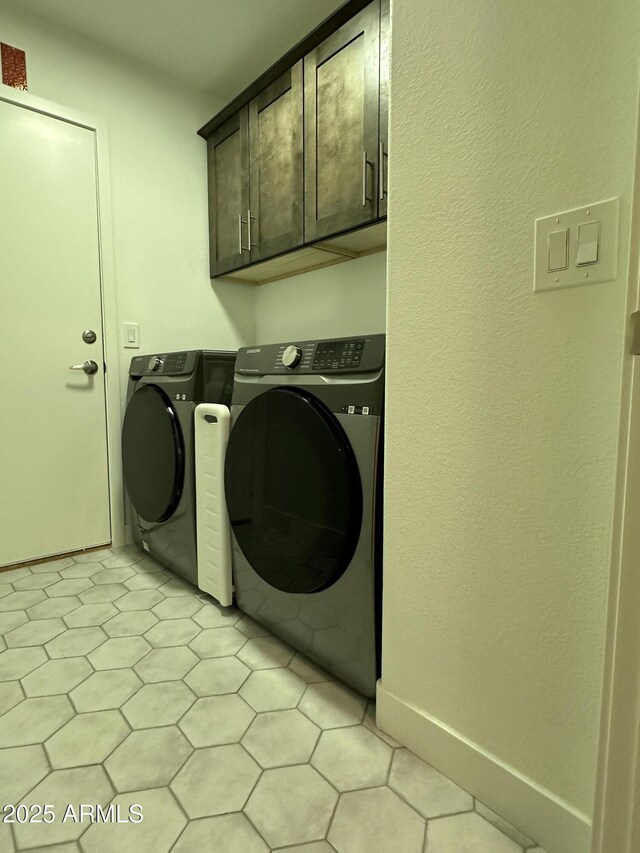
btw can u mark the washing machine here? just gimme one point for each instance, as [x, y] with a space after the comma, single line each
[303, 485]
[158, 449]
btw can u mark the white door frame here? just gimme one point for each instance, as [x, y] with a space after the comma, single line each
[108, 291]
[616, 822]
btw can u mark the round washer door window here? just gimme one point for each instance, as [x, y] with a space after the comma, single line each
[293, 491]
[152, 454]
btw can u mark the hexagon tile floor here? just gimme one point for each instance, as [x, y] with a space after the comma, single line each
[121, 685]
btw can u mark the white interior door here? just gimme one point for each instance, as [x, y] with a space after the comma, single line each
[54, 486]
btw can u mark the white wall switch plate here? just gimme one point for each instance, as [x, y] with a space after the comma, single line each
[591, 242]
[131, 335]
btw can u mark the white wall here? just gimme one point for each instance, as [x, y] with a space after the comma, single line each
[158, 185]
[338, 301]
[502, 405]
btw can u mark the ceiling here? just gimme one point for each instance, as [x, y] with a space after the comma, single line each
[219, 46]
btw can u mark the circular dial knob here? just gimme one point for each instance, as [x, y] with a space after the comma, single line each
[291, 356]
[155, 363]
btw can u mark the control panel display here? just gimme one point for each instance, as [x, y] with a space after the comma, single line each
[337, 355]
[175, 362]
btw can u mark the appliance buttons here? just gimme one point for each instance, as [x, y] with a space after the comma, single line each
[355, 410]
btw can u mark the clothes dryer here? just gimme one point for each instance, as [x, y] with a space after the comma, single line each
[158, 449]
[303, 484]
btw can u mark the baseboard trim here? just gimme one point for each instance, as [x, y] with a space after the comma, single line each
[552, 823]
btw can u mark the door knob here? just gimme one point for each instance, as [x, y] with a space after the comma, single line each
[89, 367]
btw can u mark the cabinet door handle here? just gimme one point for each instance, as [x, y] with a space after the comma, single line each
[381, 155]
[246, 222]
[249, 218]
[365, 163]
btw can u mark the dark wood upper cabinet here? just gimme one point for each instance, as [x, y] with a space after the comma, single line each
[228, 155]
[256, 178]
[300, 157]
[276, 167]
[342, 84]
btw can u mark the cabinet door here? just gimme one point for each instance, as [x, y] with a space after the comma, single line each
[277, 177]
[383, 142]
[228, 151]
[341, 127]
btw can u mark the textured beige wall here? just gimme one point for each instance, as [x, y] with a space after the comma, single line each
[503, 405]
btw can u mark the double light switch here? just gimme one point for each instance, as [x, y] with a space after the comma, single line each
[587, 247]
[577, 246]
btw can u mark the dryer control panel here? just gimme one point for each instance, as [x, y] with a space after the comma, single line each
[363, 354]
[164, 364]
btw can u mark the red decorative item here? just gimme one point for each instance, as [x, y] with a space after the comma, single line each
[14, 66]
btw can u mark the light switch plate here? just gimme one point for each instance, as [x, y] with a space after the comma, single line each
[131, 335]
[607, 213]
